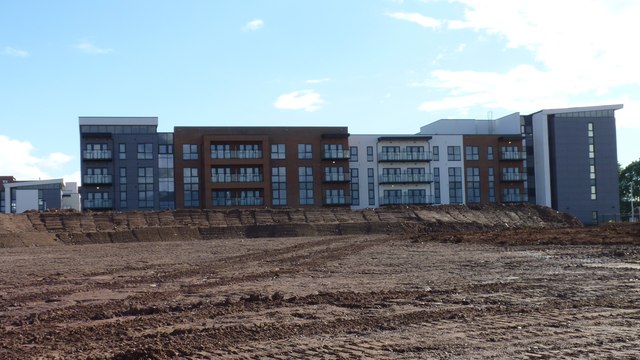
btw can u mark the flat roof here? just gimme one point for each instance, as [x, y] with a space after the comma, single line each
[118, 120]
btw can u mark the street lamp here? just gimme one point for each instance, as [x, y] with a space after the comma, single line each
[633, 218]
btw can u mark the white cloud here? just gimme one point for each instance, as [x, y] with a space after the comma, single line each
[307, 100]
[580, 57]
[24, 165]
[8, 50]
[253, 25]
[90, 48]
[417, 18]
[317, 81]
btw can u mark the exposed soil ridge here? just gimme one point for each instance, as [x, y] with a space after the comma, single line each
[67, 227]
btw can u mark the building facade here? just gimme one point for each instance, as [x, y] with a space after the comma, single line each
[41, 195]
[261, 166]
[562, 158]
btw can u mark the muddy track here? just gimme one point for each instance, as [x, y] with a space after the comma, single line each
[326, 297]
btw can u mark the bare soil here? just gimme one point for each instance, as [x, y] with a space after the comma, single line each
[525, 293]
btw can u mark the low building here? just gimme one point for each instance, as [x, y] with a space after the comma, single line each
[20, 196]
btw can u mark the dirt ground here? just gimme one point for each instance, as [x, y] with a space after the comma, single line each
[523, 293]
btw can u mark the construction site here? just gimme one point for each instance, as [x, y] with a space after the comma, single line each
[487, 281]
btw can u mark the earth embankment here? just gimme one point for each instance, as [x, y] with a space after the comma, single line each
[67, 227]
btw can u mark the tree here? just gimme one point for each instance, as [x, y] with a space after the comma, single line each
[628, 177]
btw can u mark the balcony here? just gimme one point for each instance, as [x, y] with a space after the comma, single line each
[236, 154]
[96, 155]
[406, 179]
[336, 155]
[515, 198]
[336, 200]
[405, 156]
[407, 200]
[97, 204]
[97, 179]
[513, 155]
[237, 178]
[337, 177]
[238, 201]
[513, 177]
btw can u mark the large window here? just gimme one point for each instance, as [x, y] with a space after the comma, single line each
[371, 187]
[220, 151]
[122, 151]
[355, 187]
[472, 153]
[305, 179]
[436, 153]
[455, 185]
[145, 151]
[436, 185]
[489, 152]
[492, 186]
[473, 185]
[369, 153]
[123, 189]
[189, 152]
[304, 151]
[191, 187]
[353, 152]
[279, 185]
[453, 153]
[592, 161]
[277, 151]
[145, 187]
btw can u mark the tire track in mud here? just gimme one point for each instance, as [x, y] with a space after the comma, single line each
[286, 260]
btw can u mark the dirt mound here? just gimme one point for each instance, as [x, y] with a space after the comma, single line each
[68, 227]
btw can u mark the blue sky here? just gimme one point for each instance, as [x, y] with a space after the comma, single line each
[376, 66]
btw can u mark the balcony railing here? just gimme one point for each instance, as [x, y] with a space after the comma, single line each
[96, 155]
[337, 177]
[236, 154]
[336, 200]
[97, 179]
[405, 156]
[513, 177]
[513, 155]
[406, 178]
[97, 203]
[238, 201]
[236, 178]
[407, 200]
[515, 198]
[336, 155]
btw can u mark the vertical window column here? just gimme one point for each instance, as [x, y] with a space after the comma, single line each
[492, 185]
[473, 185]
[592, 161]
[305, 179]
[455, 185]
[371, 187]
[279, 185]
[123, 187]
[355, 187]
[145, 187]
[191, 187]
[436, 185]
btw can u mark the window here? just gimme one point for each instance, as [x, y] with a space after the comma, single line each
[221, 198]
[592, 161]
[189, 152]
[335, 197]
[436, 185]
[489, 152]
[145, 151]
[594, 217]
[417, 196]
[305, 179]
[220, 151]
[145, 187]
[122, 151]
[473, 185]
[472, 153]
[279, 185]
[277, 151]
[353, 154]
[455, 185]
[369, 153]
[392, 197]
[453, 153]
[371, 187]
[191, 187]
[333, 151]
[304, 151]
[492, 186]
[122, 172]
[220, 174]
[436, 153]
[355, 187]
[334, 173]
[249, 151]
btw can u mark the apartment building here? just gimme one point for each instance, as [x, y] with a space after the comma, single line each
[125, 164]
[562, 158]
[18, 196]
[261, 166]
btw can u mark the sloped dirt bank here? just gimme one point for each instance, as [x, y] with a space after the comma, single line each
[64, 227]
